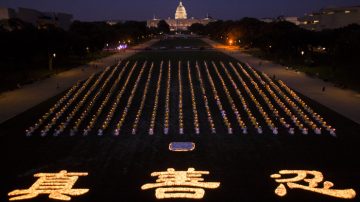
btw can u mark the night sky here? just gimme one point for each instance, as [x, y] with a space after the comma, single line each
[92, 10]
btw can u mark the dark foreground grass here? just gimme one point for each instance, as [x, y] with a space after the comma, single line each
[118, 166]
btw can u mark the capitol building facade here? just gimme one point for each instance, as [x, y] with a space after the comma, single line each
[181, 22]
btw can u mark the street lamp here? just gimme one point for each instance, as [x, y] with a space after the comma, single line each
[51, 57]
[302, 52]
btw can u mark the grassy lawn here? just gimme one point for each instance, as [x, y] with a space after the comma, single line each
[119, 166]
[28, 71]
[339, 76]
[176, 42]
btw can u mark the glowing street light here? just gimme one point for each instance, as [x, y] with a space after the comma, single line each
[302, 52]
[51, 57]
[231, 42]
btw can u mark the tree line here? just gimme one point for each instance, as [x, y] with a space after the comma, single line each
[27, 41]
[285, 42]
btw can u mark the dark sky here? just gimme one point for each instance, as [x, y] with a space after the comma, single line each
[91, 10]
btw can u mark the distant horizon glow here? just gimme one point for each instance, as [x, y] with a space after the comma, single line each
[95, 10]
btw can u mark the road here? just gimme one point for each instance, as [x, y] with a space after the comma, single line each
[343, 101]
[17, 101]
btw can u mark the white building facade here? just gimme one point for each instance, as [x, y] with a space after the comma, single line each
[331, 18]
[181, 22]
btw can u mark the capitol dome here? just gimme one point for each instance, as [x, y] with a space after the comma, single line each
[180, 12]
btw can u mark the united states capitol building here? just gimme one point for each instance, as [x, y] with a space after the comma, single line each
[181, 22]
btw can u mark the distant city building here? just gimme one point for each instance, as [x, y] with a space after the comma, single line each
[294, 20]
[7, 13]
[38, 18]
[331, 18]
[291, 19]
[112, 22]
[181, 22]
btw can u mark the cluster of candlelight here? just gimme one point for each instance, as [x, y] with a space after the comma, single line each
[316, 116]
[70, 103]
[55, 107]
[90, 104]
[205, 99]
[261, 110]
[296, 110]
[230, 99]
[218, 100]
[193, 101]
[129, 102]
[266, 99]
[273, 101]
[181, 113]
[294, 106]
[156, 101]
[99, 111]
[280, 103]
[115, 104]
[143, 99]
[243, 101]
[167, 101]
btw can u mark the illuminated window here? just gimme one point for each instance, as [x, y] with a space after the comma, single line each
[347, 12]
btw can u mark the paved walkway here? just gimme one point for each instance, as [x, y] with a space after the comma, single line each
[15, 102]
[345, 102]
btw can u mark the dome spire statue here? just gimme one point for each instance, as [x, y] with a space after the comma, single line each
[180, 12]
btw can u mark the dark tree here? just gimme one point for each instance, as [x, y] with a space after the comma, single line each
[197, 28]
[163, 26]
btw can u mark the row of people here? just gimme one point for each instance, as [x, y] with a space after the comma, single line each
[314, 115]
[59, 114]
[299, 112]
[142, 103]
[99, 111]
[230, 99]
[268, 102]
[116, 102]
[129, 101]
[205, 99]
[218, 100]
[279, 102]
[156, 101]
[167, 101]
[259, 107]
[181, 113]
[193, 101]
[89, 105]
[245, 106]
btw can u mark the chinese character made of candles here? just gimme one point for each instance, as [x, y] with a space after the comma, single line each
[311, 184]
[180, 184]
[57, 185]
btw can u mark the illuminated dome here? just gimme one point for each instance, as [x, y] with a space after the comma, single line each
[180, 12]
